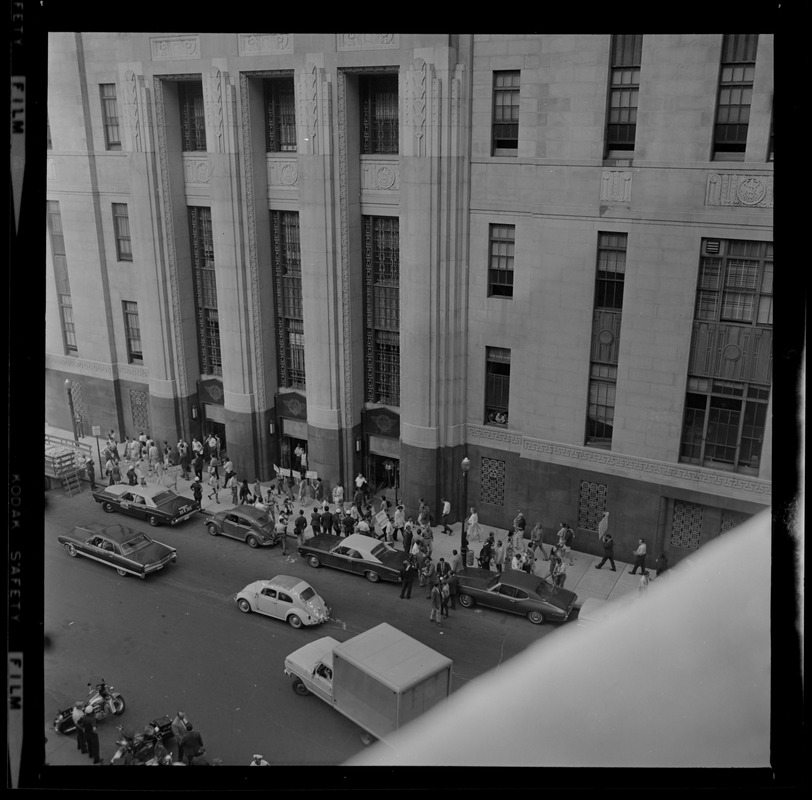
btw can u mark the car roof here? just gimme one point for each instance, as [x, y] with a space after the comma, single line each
[115, 533]
[246, 511]
[287, 582]
[144, 491]
[520, 579]
[360, 542]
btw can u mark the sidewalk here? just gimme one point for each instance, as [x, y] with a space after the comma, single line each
[582, 578]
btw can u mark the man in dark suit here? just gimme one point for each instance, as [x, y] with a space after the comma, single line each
[191, 743]
[608, 551]
[91, 735]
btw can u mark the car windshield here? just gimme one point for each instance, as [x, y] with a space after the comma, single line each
[136, 543]
[162, 497]
[306, 594]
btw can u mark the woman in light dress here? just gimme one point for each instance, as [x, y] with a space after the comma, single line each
[474, 528]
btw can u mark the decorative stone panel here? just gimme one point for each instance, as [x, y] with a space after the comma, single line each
[170, 48]
[616, 186]
[733, 189]
[367, 41]
[264, 44]
[139, 405]
[132, 113]
[380, 176]
[196, 170]
[283, 173]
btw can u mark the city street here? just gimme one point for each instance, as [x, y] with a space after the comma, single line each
[177, 641]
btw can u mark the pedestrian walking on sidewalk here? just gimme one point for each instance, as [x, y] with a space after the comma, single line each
[560, 574]
[234, 485]
[197, 466]
[639, 557]
[456, 562]
[91, 473]
[608, 551]
[499, 556]
[436, 604]
[537, 540]
[245, 493]
[661, 564]
[554, 559]
[214, 483]
[519, 527]
[281, 530]
[445, 595]
[299, 525]
[474, 528]
[406, 579]
[197, 490]
[444, 515]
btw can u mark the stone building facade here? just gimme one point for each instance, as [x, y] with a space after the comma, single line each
[551, 254]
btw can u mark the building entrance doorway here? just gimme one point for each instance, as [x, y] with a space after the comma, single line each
[293, 453]
[383, 476]
[219, 429]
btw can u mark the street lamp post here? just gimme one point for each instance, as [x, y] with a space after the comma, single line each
[465, 466]
[70, 406]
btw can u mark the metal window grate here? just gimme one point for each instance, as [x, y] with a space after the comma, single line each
[591, 504]
[139, 406]
[492, 482]
[686, 525]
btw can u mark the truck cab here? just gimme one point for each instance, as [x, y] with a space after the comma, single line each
[311, 668]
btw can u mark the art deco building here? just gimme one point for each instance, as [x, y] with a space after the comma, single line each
[550, 254]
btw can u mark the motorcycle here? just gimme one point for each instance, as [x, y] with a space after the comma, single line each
[101, 697]
[147, 748]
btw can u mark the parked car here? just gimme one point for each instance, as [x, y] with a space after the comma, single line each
[128, 551]
[156, 504]
[365, 555]
[246, 523]
[284, 597]
[517, 592]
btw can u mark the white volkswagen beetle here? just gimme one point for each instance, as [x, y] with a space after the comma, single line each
[284, 597]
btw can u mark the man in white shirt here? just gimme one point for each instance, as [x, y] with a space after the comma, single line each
[444, 516]
[640, 558]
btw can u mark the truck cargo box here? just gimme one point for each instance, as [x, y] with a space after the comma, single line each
[384, 678]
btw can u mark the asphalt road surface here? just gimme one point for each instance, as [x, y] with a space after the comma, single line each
[176, 640]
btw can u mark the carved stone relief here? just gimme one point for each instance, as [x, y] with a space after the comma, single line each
[264, 44]
[729, 189]
[170, 48]
[367, 41]
[616, 186]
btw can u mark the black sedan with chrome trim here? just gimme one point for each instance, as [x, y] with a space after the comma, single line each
[364, 555]
[515, 591]
[156, 504]
[128, 551]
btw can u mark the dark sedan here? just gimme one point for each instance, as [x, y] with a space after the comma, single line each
[364, 555]
[128, 551]
[155, 504]
[246, 523]
[517, 592]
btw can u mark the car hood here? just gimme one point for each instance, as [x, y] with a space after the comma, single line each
[154, 551]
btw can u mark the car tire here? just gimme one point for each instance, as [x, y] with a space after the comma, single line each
[153, 520]
[372, 577]
[212, 529]
[71, 551]
[244, 605]
[466, 601]
[108, 507]
[122, 572]
[314, 562]
[299, 687]
[252, 541]
[536, 617]
[294, 621]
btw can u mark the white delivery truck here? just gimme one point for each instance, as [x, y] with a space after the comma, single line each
[380, 679]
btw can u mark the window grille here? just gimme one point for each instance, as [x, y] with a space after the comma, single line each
[132, 328]
[121, 226]
[591, 504]
[497, 385]
[280, 115]
[205, 282]
[289, 309]
[192, 115]
[379, 114]
[492, 482]
[686, 525]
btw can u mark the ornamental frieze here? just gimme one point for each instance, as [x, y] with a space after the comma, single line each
[733, 189]
[170, 48]
[264, 44]
[367, 41]
[283, 173]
